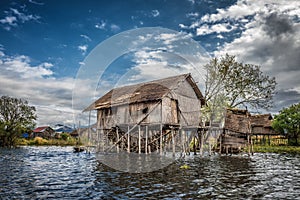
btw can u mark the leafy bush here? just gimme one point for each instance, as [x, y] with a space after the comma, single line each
[65, 136]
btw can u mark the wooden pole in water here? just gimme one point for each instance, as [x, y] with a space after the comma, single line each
[161, 139]
[146, 141]
[248, 144]
[194, 145]
[139, 138]
[150, 136]
[173, 143]
[201, 143]
[183, 141]
[128, 141]
[89, 133]
[220, 150]
[117, 132]
[251, 143]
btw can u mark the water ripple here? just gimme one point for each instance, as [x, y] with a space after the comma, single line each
[58, 173]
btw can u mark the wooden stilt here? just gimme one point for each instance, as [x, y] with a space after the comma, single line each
[220, 150]
[161, 140]
[173, 143]
[201, 143]
[157, 141]
[182, 142]
[251, 144]
[187, 142]
[194, 144]
[128, 141]
[248, 144]
[209, 146]
[150, 137]
[139, 138]
[117, 132]
[146, 140]
[199, 139]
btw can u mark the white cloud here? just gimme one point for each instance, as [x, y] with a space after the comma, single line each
[269, 38]
[83, 48]
[20, 65]
[35, 2]
[101, 25]
[192, 15]
[47, 65]
[10, 20]
[183, 26]
[14, 16]
[86, 37]
[192, 1]
[23, 17]
[216, 28]
[51, 96]
[114, 28]
[155, 13]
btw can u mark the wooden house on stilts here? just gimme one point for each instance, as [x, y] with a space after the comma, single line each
[236, 132]
[241, 128]
[157, 116]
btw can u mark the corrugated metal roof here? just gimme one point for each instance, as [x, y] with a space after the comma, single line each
[40, 129]
[148, 91]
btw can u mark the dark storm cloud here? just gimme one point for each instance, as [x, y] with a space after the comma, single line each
[285, 98]
[277, 25]
[278, 46]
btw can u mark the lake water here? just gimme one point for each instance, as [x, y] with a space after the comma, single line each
[58, 173]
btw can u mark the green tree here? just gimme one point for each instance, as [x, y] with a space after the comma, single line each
[237, 84]
[16, 117]
[288, 121]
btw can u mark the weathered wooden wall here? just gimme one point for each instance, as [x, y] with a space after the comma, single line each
[188, 103]
[129, 114]
[180, 106]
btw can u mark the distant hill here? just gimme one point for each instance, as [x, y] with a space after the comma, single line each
[60, 128]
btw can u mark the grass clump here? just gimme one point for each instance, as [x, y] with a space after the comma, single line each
[276, 149]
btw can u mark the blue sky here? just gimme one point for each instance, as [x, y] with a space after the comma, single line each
[44, 43]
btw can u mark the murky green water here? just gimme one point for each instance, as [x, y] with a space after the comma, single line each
[58, 173]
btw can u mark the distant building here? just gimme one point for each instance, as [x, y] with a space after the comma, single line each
[240, 126]
[262, 125]
[43, 132]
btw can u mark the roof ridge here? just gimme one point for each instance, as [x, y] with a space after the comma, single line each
[152, 81]
[165, 85]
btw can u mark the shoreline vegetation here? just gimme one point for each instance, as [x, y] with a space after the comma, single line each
[276, 149]
[70, 141]
[38, 141]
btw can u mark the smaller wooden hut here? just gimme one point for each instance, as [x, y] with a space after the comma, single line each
[236, 131]
[261, 128]
[44, 132]
[241, 128]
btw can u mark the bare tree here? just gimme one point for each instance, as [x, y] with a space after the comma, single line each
[238, 84]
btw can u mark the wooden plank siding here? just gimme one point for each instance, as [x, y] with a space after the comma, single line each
[150, 116]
